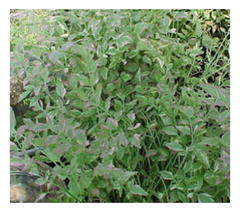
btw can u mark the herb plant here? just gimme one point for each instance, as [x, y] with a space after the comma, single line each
[126, 105]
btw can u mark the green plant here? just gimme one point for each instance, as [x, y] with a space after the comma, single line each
[132, 105]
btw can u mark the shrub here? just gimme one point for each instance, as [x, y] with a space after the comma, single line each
[129, 105]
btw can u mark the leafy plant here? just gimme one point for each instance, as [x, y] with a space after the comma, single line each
[132, 105]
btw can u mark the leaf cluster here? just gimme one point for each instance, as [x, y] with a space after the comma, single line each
[132, 105]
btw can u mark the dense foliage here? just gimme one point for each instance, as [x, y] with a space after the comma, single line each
[125, 105]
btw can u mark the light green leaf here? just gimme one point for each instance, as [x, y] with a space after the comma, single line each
[81, 94]
[170, 130]
[205, 198]
[226, 139]
[12, 122]
[140, 27]
[123, 40]
[166, 175]
[125, 77]
[131, 116]
[166, 23]
[45, 74]
[217, 92]
[140, 89]
[83, 80]
[121, 175]
[23, 95]
[187, 110]
[212, 141]
[134, 140]
[34, 101]
[196, 51]
[41, 181]
[85, 179]
[136, 189]
[61, 91]
[185, 130]
[112, 51]
[104, 73]
[107, 104]
[198, 30]
[103, 169]
[93, 78]
[202, 157]
[39, 127]
[112, 124]
[54, 56]
[80, 136]
[175, 146]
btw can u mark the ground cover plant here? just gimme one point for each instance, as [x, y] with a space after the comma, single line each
[124, 105]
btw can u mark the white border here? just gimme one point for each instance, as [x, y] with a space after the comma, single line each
[122, 4]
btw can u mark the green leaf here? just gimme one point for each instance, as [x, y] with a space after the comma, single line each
[61, 91]
[226, 139]
[202, 157]
[170, 130]
[112, 124]
[54, 56]
[112, 51]
[125, 77]
[140, 27]
[205, 198]
[23, 95]
[185, 130]
[147, 60]
[93, 78]
[165, 24]
[122, 139]
[140, 89]
[28, 121]
[121, 175]
[166, 175]
[41, 181]
[175, 146]
[83, 80]
[134, 140]
[187, 167]
[131, 116]
[107, 104]
[12, 122]
[85, 179]
[123, 40]
[39, 127]
[45, 74]
[217, 92]
[187, 110]
[104, 73]
[98, 93]
[34, 100]
[212, 141]
[198, 30]
[136, 189]
[81, 94]
[80, 136]
[132, 54]
[102, 169]
[196, 51]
